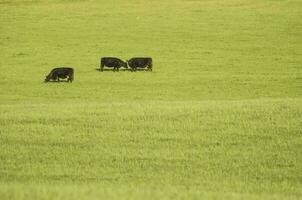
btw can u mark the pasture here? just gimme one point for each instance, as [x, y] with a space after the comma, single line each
[219, 117]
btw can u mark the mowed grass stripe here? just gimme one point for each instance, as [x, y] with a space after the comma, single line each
[66, 192]
[173, 143]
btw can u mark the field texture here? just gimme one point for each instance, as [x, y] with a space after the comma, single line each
[220, 116]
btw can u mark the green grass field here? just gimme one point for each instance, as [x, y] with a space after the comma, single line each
[220, 116]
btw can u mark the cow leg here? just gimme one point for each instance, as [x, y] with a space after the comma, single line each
[117, 68]
[102, 66]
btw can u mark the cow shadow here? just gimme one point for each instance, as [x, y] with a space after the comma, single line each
[140, 70]
[111, 70]
[60, 81]
[120, 70]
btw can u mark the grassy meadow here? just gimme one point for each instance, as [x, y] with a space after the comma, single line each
[220, 116]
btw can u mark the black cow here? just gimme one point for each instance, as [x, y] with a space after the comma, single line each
[116, 63]
[135, 63]
[61, 72]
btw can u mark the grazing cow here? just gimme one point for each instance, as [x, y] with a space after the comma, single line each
[116, 63]
[135, 63]
[61, 72]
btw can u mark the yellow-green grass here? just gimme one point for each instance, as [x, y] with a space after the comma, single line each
[219, 117]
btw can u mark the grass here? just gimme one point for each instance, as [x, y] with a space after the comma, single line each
[218, 118]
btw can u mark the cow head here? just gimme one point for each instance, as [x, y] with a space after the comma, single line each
[47, 78]
[125, 65]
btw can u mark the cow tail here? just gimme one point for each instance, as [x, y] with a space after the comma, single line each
[71, 75]
[151, 64]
